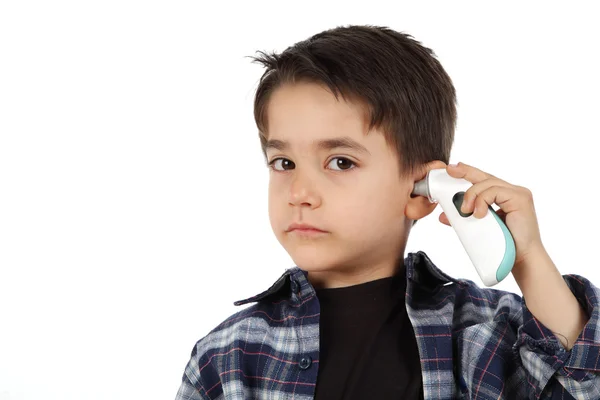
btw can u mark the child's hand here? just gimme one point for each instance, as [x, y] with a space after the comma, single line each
[515, 202]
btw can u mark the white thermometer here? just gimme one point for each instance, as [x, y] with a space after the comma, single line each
[487, 240]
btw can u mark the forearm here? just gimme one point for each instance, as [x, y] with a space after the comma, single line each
[549, 298]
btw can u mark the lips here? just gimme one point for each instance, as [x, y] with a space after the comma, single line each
[304, 227]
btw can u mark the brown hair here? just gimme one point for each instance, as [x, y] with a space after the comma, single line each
[405, 90]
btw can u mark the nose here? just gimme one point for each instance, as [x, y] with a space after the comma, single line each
[302, 191]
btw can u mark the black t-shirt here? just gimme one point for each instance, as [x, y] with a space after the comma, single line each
[368, 348]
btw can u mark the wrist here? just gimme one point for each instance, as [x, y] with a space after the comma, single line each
[535, 264]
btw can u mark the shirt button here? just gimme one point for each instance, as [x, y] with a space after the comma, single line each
[305, 362]
[295, 287]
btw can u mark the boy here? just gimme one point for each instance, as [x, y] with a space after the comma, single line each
[348, 121]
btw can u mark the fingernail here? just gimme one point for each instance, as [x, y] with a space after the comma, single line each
[453, 165]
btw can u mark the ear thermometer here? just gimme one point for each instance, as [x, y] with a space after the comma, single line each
[487, 241]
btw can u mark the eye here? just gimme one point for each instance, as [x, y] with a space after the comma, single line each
[343, 163]
[284, 161]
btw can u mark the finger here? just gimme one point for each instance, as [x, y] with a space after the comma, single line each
[468, 172]
[507, 198]
[444, 219]
[501, 214]
[474, 191]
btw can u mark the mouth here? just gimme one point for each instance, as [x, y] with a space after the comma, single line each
[307, 232]
[305, 228]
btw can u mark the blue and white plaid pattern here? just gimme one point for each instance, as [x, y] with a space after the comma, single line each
[474, 343]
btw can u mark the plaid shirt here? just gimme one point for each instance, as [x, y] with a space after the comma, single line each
[474, 343]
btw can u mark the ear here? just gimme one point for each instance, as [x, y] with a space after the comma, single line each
[418, 207]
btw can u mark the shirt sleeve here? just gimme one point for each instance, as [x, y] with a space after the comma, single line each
[548, 364]
[191, 387]
[187, 391]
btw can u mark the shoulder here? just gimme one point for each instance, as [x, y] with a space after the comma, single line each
[269, 310]
[467, 289]
[491, 302]
[474, 305]
[242, 326]
[223, 348]
[263, 327]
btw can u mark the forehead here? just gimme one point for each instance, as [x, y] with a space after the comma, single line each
[306, 112]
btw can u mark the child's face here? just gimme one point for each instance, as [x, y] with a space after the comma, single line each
[356, 197]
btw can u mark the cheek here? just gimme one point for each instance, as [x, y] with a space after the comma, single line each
[381, 203]
[373, 218]
[273, 203]
[355, 215]
[276, 207]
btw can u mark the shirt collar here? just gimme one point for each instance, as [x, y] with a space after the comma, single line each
[420, 270]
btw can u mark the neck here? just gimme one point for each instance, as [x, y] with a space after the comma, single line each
[350, 276]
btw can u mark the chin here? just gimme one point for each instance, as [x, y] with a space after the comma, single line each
[311, 259]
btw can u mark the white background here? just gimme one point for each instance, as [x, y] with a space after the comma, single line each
[133, 194]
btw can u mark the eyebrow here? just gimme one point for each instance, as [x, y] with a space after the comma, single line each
[325, 144]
